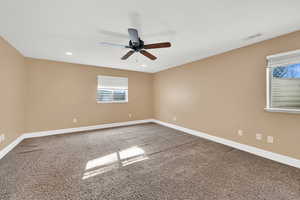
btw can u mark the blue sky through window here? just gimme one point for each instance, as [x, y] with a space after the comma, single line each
[289, 71]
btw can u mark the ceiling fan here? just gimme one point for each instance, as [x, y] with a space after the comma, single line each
[137, 45]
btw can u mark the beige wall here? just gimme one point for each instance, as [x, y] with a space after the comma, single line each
[59, 92]
[224, 93]
[217, 95]
[12, 87]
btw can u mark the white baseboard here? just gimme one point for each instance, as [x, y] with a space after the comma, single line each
[84, 128]
[9, 147]
[250, 149]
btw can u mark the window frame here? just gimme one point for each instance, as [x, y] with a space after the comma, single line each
[113, 89]
[269, 75]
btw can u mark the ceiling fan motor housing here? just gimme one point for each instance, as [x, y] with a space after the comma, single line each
[136, 46]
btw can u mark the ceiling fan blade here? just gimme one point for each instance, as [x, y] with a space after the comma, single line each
[134, 35]
[112, 44]
[127, 55]
[148, 55]
[157, 45]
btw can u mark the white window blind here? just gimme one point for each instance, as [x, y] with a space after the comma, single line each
[284, 81]
[112, 89]
[283, 59]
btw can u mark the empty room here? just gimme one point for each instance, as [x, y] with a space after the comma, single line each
[149, 100]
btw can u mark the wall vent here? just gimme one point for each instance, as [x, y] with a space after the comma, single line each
[251, 37]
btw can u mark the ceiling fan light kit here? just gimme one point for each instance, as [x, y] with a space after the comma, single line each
[137, 45]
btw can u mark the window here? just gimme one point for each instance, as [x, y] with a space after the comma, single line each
[283, 82]
[112, 89]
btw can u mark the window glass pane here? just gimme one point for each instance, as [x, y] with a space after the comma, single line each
[105, 95]
[112, 89]
[119, 95]
[288, 72]
[285, 86]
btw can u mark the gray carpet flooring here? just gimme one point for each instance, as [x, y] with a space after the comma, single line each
[145, 161]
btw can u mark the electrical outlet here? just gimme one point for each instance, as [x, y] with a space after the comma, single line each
[258, 136]
[270, 139]
[240, 132]
[129, 115]
[174, 118]
[74, 120]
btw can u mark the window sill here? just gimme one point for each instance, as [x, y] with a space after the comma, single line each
[112, 102]
[283, 110]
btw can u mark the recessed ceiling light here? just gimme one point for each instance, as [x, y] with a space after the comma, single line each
[143, 65]
[68, 53]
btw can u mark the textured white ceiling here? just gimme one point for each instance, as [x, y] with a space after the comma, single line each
[196, 28]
